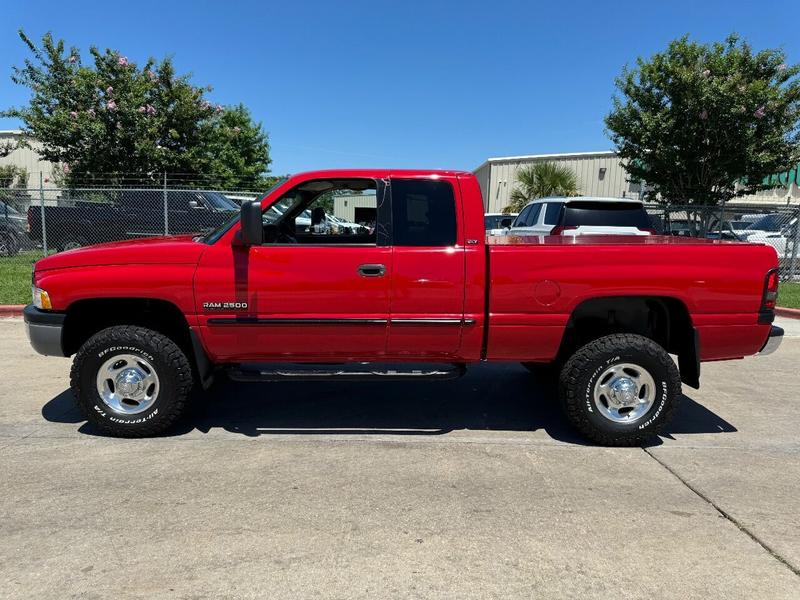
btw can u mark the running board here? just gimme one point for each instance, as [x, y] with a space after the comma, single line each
[344, 372]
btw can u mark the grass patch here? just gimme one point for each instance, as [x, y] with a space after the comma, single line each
[789, 295]
[15, 277]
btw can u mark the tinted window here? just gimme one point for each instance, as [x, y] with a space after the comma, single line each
[533, 217]
[618, 214]
[423, 213]
[494, 221]
[552, 212]
[522, 217]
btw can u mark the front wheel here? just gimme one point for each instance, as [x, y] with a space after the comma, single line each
[620, 390]
[131, 381]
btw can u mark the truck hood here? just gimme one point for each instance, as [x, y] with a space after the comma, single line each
[180, 249]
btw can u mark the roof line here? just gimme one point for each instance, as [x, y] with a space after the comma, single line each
[540, 156]
[11, 131]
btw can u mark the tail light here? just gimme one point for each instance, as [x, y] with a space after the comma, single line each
[770, 296]
[560, 229]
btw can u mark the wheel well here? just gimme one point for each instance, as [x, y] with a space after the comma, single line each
[87, 317]
[664, 320]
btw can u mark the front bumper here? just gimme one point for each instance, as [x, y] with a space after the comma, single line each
[773, 341]
[44, 330]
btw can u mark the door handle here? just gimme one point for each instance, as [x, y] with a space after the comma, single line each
[372, 270]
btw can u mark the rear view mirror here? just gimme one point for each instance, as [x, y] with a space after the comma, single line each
[252, 229]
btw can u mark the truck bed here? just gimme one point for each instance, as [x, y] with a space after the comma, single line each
[536, 282]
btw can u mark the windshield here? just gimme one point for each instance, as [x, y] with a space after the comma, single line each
[213, 235]
[771, 222]
[220, 201]
[495, 221]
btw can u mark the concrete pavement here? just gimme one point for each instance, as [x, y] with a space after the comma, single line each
[468, 489]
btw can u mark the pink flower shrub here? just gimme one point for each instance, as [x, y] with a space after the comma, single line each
[122, 61]
[111, 105]
[760, 113]
[219, 108]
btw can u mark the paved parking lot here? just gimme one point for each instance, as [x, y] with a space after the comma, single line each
[467, 489]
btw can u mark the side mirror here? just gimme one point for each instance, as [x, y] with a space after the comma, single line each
[505, 223]
[252, 228]
[195, 204]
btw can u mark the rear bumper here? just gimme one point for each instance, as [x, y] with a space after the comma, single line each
[44, 330]
[773, 341]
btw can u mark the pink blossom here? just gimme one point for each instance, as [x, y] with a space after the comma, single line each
[73, 114]
[205, 105]
[73, 59]
[90, 112]
[150, 110]
[219, 108]
[704, 115]
[782, 67]
[760, 113]
[122, 61]
[706, 73]
[237, 129]
[142, 109]
[111, 105]
[65, 168]
[109, 90]
[151, 75]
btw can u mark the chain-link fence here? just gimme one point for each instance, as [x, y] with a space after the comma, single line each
[772, 224]
[51, 220]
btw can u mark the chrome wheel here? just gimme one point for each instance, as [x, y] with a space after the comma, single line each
[624, 393]
[127, 384]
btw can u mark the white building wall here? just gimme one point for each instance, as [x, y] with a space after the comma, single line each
[27, 158]
[598, 174]
[344, 207]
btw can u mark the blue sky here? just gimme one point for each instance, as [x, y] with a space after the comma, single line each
[401, 84]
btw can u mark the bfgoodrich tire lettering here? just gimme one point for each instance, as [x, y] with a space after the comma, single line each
[159, 353]
[579, 378]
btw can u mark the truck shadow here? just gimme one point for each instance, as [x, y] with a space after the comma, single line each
[496, 397]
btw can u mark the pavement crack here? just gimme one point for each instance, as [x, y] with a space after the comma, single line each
[729, 517]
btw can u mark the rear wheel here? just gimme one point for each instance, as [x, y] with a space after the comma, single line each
[620, 390]
[131, 381]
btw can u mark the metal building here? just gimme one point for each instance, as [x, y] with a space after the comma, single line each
[602, 174]
[599, 174]
[27, 158]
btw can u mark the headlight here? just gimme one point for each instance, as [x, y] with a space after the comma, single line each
[41, 299]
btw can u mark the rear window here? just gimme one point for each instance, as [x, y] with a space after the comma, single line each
[423, 213]
[614, 214]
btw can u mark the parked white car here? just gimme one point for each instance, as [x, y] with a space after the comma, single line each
[773, 229]
[582, 215]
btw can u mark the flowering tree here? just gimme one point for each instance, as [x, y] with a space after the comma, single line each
[115, 120]
[701, 124]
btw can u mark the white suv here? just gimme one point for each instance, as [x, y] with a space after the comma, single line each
[582, 215]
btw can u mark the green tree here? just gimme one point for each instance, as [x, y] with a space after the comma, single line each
[540, 180]
[115, 120]
[703, 123]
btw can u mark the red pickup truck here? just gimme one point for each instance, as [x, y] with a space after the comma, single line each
[417, 291]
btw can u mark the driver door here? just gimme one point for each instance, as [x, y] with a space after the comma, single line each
[307, 298]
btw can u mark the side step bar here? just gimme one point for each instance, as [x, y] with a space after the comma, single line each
[344, 372]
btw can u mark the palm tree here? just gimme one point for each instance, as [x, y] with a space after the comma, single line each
[540, 180]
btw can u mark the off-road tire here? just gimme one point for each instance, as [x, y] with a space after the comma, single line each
[171, 365]
[580, 373]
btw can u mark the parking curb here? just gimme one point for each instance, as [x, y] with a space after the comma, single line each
[791, 313]
[15, 310]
